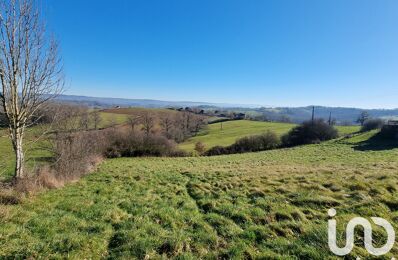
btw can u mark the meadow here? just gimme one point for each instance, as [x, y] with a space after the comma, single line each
[226, 133]
[267, 205]
[34, 148]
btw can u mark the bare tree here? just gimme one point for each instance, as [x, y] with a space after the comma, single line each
[66, 118]
[30, 69]
[148, 122]
[198, 123]
[96, 118]
[187, 121]
[166, 123]
[85, 120]
[133, 121]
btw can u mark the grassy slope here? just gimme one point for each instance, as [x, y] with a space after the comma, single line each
[233, 130]
[107, 119]
[270, 204]
[121, 115]
[345, 130]
[34, 155]
[6, 158]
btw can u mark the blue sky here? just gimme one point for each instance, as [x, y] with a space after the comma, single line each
[275, 53]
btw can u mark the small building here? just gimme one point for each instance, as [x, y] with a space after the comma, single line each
[390, 130]
[239, 116]
[392, 122]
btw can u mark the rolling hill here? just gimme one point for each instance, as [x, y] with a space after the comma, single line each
[227, 133]
[270, 205]
[105, 102]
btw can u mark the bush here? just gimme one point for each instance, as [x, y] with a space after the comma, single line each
[217, 150]
[132, 144]
[254, 143]
[75, 153]
[389, 132]
[372, 124]
[200, 148]
[309, 132]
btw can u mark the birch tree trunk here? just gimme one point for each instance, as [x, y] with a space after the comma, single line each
[19, 154]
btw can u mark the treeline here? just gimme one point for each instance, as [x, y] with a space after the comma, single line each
[176, 126]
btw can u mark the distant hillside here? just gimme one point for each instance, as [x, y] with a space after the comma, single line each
[147, 103]
[342, 115]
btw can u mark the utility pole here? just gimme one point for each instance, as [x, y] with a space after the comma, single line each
[313, 114]
[330, 118]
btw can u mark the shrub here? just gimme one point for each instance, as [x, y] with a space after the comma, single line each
[254, 143]
[389, 132]
[217, 150]
[372, 124]
[200, 148]
[309, 132]
[132, 144]
[75, 153]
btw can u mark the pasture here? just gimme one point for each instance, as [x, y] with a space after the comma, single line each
[226, 133]
[35, 149]
[269, 205]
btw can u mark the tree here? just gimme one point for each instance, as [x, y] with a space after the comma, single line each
[198, 123]
[148, 122]
[309, 132]
[166, 123]
[133, 121]
[30, 69]
[363, 117]
[85, 120]
[96, 118]
[187, 120]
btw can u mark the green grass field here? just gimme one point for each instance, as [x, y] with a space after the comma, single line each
[267, 205]
[227, 133]
[107, 119]
[120, 116]
[35, 155]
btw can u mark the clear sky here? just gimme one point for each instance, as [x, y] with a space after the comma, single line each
[275, 53]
